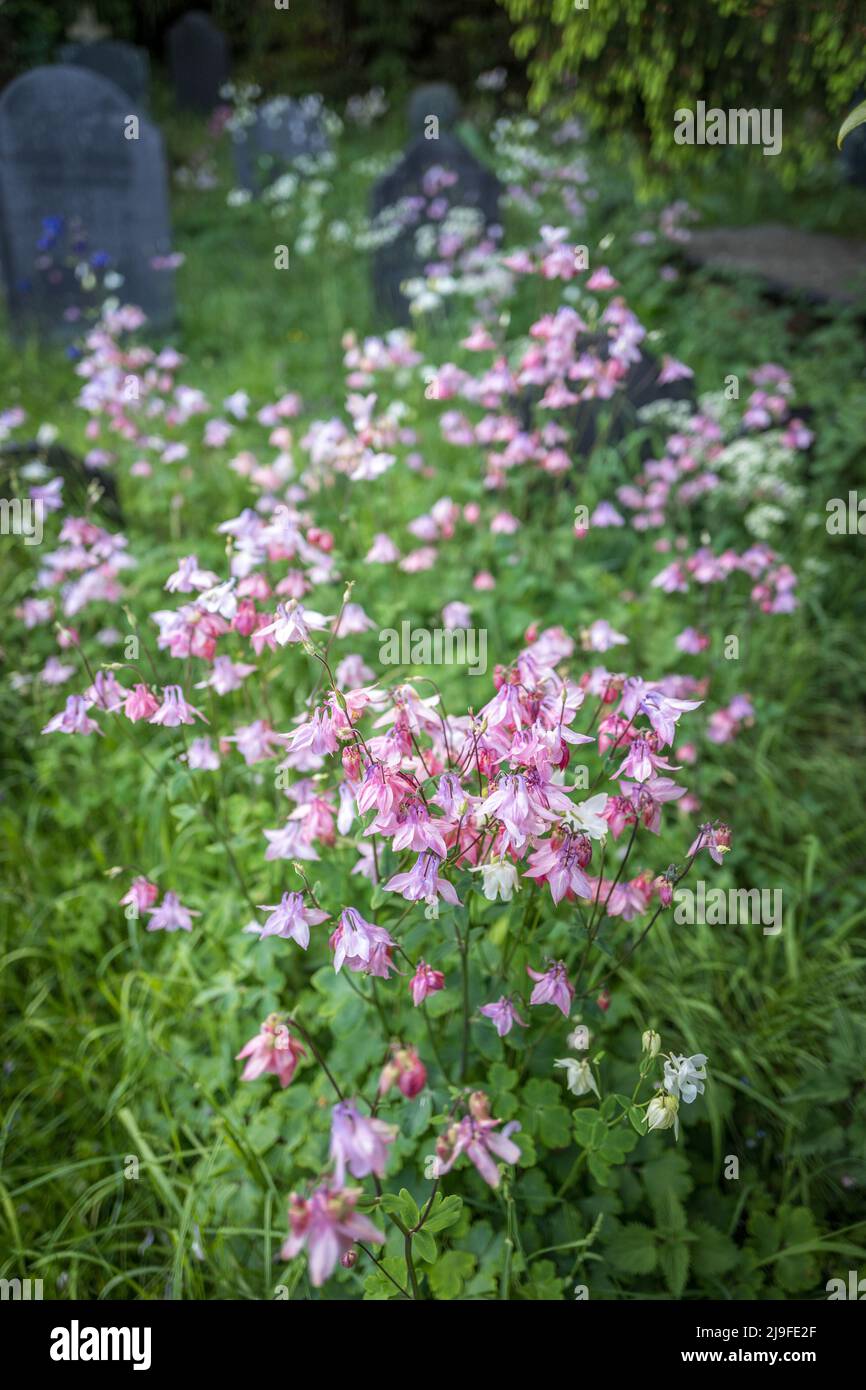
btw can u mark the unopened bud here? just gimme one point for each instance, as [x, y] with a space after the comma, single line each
[479, 1106]
[651, 1042]
[662, 1112]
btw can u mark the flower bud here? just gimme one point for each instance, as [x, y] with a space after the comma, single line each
[412, 1076]
[479, 1106]
[665, 890]
[662, 1112]
[651, 1042]
[349, 1259]
[580, 1038]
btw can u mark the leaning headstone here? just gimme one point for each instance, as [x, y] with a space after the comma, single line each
[403, 200]
[198, 57]
[790, 260]
[122, 63]
[280, 131]
[434, 99]
[81, 204]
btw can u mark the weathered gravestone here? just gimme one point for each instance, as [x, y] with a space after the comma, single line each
[437, 100]
[76, 192]
[282, 130]
[198, 58]
[122, 63]
[790, 260]
[402, 197]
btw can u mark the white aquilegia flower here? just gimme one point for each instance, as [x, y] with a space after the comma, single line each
[685, 1076]
[588, 817]
[499, 880]
[662, 1113]
[579, 1077]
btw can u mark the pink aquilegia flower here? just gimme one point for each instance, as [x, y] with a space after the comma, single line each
[422, 881]
[503, 1015]
[328, 1225]
[561, 866]
[291, 920]
[294, 623]
[272, 1049]
[171, 915]
[425, 981]
[406, 1068]
[664, 713]
[475, 1136]
[74, 719]
[553, 987]
[202, 756]
[715, 838]
[358, 1142]
[363, 946]
[141, 894]
[175, 710]
[140, 703]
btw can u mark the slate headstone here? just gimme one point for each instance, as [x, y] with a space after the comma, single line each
[790, 260]
[437, 99]
[74, 191]
[283, 129]
[403, 190]
[198, 57]
[122, 63]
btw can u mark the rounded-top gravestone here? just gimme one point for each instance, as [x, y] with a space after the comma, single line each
[198, 57]
[281, 130]
[122, 63]
[437, 99]
[401, 197]
[83, 193]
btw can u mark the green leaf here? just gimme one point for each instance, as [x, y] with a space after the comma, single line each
[545, 1285]
[450, 1273]
[379, 1288]
[424, 1246]
[444, 1212]
[589, 1127]
[674, 1261]
[554, 1128]
[403, 1206]
[670, 1214]
[538, 1094]
[713, 1253]
[632, 1249]
[617, 1144]
[669, 1172]
[851, 122]
[637, 1119]
[501, 1077]
[599, 1168]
